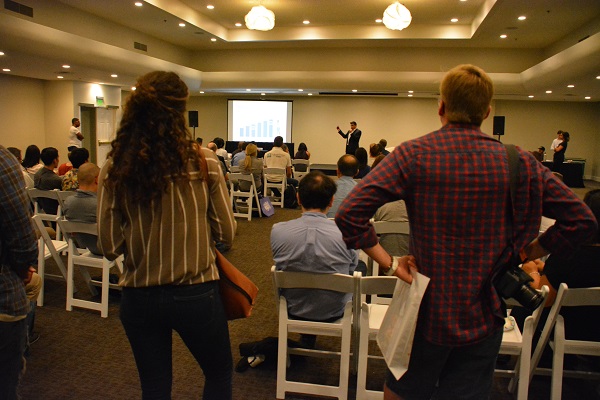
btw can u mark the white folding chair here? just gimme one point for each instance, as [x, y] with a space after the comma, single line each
[304, 168]
[369, 320]
[340, 328]
[560, 345]
[235, 168]
[519, 344]
[35, 195]
[85, 258]
[63, 195]
[241, 200]
[48, 248]
[268, 186]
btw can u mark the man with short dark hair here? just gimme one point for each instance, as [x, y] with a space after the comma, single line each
[46, 179]
[383, 145]
[18, 255]
[352, 137]
[78, 157]
[464, 234]
[277, 158]
[75, 136]
[313, 243]
[347, 167]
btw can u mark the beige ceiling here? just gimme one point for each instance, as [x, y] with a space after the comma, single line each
[342, 48]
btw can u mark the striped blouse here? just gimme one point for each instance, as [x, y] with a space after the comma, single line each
[170, 240]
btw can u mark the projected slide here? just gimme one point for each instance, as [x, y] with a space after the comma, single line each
[260, 121]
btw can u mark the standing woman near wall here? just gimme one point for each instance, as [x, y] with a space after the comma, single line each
[163, 202]
[559, 151]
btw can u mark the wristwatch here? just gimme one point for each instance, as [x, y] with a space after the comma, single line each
[392, 268]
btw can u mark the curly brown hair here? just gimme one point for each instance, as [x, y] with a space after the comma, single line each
[153, 145]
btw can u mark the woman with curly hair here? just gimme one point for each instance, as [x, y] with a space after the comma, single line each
[163, 203]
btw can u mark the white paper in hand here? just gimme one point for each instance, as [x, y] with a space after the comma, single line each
[395, 337]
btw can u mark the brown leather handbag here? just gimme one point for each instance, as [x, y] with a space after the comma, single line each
[238, 292]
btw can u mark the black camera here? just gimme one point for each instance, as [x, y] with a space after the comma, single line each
[514, 283]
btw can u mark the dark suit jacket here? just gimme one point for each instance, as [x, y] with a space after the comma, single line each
[351, 140]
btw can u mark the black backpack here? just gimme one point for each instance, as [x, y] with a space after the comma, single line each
[290, 199]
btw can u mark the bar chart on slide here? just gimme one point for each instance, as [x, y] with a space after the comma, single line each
[259, 121]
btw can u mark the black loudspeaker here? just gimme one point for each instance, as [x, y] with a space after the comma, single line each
[193, 119]
[499, 125]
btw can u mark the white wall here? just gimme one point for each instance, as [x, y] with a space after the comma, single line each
[21, 112]
[58, 105]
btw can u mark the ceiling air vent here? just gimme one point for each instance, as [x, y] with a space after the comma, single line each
[140, 46]
[18, 8]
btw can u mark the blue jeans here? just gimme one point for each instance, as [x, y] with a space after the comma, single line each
[149, 315]
[448, 372]
[13, 338]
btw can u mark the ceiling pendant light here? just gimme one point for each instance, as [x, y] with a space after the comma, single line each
[396, 17]
[260, 19]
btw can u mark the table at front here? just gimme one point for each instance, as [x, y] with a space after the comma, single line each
[572, 172]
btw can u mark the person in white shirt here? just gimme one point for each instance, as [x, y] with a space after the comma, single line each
[277, 158]
[75, 136]
[556, 141]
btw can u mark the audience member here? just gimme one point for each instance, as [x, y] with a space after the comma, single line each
[220, 148]
[78, 157]
[158, 184]
[240, 156]
[363, 167]
[312, 243]
[18, 255]
[347, 168]
[75, 136]
[559, 152]
[212, 146]
[252, 166]
[396, 244]
[383, 145]
[277, 158]
[458, 336]
[285, 148]
[199, 141]
[539, 153]
[46, 179]
[302, 153]
[31, 162]
[239, 149]
[82, 206]
[28, 179]
[352, 137]
[556, 141]
[374, 150]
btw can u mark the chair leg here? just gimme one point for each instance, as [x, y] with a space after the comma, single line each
[282, 348]
[345, 363]
[40, 271]
[70, 283]
[105, 286]
[558, 360]
[363, 360]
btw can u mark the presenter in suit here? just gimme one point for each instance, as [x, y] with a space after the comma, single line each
[352, 137]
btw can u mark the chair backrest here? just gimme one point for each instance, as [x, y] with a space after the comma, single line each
[238, 176]
[235, 168]
[385, 227]
[71, 227]
[275, 171]
[304, 165]
[307, 280]
[35, 194]
[63, 195]
[565, 298]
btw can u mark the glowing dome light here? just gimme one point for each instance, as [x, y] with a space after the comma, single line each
[260, 19]
[396, 17]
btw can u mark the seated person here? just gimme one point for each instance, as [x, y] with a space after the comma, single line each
[77, 156]
[46, 179]
[17, 153]
[580, 270]
[383, 145]
[394, 243]
[539, 153]
[221, 148]
[313, 243]
[363, 167]
[82, 207]
[278, 158]
[252, 165]
[237, 158]
[347, 167]
[212, 146]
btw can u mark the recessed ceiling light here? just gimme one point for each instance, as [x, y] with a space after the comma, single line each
[66, 66]
[462, 1]
[587, 97]
[238, 24]
[114, 75]
[411, 91]
[301, 90]
[570, 86]
[379, 20]
[202, 91]
[598, 77]
[133, 88]
[1, 53]
[548, 91]
[522, 18]
[138, 3]
[210, 7]
[6, 69]
[262, 94]
[306, 22]
[530, 96]
[248, 90]
[310, 94]
[454, 20]
[354, 90]
[410, 95]
[213, 39]
[503, 36]
[60, 77]
[182, 24]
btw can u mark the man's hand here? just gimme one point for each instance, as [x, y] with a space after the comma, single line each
[405, 263]
[30, 272]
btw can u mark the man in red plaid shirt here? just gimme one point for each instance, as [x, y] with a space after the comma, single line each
[456, 187]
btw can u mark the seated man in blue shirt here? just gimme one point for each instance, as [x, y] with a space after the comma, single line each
[347, 168]
[313, 243]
